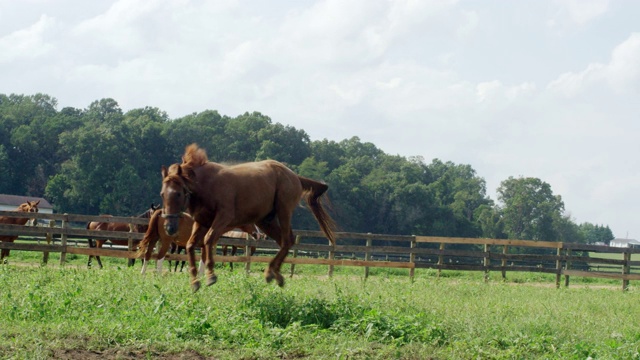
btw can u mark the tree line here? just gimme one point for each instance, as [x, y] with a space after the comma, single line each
[101, 160]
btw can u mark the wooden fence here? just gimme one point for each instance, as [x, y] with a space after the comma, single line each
[355, 249]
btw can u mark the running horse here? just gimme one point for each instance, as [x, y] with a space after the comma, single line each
[116, 226]
[29, 207]
[157, 232]
[221, 197]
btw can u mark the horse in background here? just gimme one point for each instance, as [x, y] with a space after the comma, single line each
[179, 240]
[116, 226]
[30, 207]
[221, 197]
[241, 233]
[237, 233]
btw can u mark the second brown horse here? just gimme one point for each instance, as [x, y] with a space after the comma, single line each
[116, 226]
[156, 232]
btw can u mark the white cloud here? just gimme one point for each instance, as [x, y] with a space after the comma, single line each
[577, 12]
[621, 74]
[29, 43]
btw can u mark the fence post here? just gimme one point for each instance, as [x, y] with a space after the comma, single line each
[626, 255]
[130, 261]
[440, 259]
[247, 253]
[503, 263]
[412, 258]
[295, 255]
[558, 266]
[486, 262]
[568, 266]
[367, 256]
[63, 239]
[332, 255]
[45, 255]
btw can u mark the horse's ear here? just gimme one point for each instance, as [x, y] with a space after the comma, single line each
[163, 171]
[35, 203]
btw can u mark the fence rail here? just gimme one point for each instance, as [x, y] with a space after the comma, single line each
[354, 249]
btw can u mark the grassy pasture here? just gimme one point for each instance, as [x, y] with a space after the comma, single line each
[48, 312]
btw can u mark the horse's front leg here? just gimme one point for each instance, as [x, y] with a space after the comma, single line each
[195, 239]
[161, 254]
[210, 243]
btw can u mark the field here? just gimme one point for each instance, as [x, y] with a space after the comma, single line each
[75, 313]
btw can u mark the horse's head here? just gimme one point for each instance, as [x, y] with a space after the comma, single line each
[175, 196]
[30, 206]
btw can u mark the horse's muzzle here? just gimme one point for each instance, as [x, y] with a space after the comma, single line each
[170, 227]
[171, 222]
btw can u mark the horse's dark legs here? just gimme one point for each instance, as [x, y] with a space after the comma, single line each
[3, 255]
[276, 230]
[234, 249]
[99, 244]
[180, 248]
[91, 245]
[177, 250]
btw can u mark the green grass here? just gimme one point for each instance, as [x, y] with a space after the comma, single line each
[457, 316]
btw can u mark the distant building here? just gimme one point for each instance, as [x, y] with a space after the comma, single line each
[624, 243]
[11, 202]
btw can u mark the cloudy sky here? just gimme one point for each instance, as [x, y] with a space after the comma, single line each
[546, 88]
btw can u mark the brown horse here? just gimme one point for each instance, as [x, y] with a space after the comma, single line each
[220, 197]
[31, 207]
[241, 233]
[115, 226]
[156, 232]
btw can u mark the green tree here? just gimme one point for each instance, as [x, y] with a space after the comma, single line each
[529, 208]
[596, 233]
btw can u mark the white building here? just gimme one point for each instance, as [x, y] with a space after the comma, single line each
[624, 243]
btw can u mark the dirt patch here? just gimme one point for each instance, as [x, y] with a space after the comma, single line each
[120, 354]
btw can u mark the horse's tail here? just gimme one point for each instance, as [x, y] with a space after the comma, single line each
[314, 191]
[150, 236]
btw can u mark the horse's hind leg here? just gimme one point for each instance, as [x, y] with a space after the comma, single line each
[286, 240]
[99, 246]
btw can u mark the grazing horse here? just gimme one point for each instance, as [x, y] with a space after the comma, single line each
[221, 197]
[115, 226]
[177, 241]
[31, 207]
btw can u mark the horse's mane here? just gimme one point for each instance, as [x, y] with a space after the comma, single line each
[194, 156]
[180, 174]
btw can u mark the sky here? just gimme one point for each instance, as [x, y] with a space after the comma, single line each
[548, 89]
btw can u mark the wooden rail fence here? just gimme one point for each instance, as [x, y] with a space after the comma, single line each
[354, 249]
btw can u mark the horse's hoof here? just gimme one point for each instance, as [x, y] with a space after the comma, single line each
[268, 275]
[195, 286]
[212, 279]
